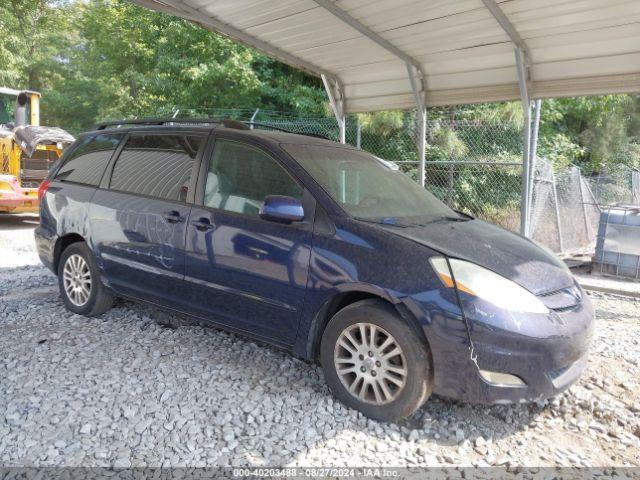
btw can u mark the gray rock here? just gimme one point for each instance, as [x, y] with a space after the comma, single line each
[122, 463]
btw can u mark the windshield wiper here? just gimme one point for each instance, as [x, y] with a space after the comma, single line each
[391, 221]
[445, 218]
[449, 218]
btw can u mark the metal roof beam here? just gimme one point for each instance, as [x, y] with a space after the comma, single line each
[513, 35]
[366, 31]
[414, 72]
[506, 24]
[173, 7]
[411, 62]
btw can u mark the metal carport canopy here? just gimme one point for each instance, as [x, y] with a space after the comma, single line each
[571, 47]
[397, 54]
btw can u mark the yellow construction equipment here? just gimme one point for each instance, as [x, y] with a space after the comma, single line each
[27, 150]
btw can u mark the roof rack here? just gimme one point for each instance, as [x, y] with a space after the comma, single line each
[225, 122]
[266, 125]
[158, 121]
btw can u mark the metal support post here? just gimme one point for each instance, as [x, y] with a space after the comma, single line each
[534, 148]
[422, 144]
[253, 117]
[336, 99]
[359, 135]
[416, 79]
[523, 81]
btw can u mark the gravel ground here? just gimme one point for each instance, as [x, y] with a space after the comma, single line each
[121, 390]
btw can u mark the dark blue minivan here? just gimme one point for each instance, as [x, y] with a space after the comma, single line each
[318, 248]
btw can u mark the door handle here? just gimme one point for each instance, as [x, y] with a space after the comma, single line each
[173, 216]
[259, 251]
[202, 224]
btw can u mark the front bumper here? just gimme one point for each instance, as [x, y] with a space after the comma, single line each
[548, 352]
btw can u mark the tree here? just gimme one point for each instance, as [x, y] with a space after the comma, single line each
[36, 35]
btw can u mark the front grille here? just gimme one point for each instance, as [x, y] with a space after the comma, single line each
[563, 299]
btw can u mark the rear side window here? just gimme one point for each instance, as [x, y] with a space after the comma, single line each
[156, 165]
[240, 177]
[88, 161]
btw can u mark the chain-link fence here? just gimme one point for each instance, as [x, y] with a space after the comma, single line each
[616, 184]
[474, 166]
[566, 204]
[564, 214]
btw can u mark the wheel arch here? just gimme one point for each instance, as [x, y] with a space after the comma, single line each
[348, 296]
[61, 245]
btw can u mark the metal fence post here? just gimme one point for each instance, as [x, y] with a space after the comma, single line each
[635, 187]
[557, 205]
[584, 206]
[359, 134]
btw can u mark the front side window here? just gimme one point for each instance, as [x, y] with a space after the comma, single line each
[240, 177]
[88, 161]
[367, 187]
[156, 165]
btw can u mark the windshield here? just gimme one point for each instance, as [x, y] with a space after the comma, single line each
[6, 108]
[367, 187]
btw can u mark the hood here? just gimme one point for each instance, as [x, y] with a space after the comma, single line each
[506, 253]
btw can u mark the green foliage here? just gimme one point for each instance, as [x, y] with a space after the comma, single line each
[383, 123]
[36, 35]
[446, 144]
[591, 132]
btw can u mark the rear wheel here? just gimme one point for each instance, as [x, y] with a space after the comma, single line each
[79, 282]
[374, 362]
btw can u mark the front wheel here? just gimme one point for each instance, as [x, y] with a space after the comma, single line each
[79, 282]
[374, 362]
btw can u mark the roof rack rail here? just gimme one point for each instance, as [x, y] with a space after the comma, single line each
[306, 134]
[225, 122]
[158, 121]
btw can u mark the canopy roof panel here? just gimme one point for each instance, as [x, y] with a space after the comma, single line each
[466, 55]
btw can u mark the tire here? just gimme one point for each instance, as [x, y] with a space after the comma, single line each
[399, 401]
[98, 299]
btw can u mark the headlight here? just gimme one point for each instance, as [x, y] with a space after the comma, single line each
[487, 285]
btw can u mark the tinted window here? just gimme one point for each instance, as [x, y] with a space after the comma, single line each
[156, 165]
[89, 159]
[240, 177]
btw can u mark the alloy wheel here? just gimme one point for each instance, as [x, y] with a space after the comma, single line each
[76, 278]
[370, 363]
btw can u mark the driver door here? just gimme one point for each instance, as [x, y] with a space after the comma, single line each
[247, 273]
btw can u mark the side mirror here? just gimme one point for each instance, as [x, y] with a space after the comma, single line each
[279, 208]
